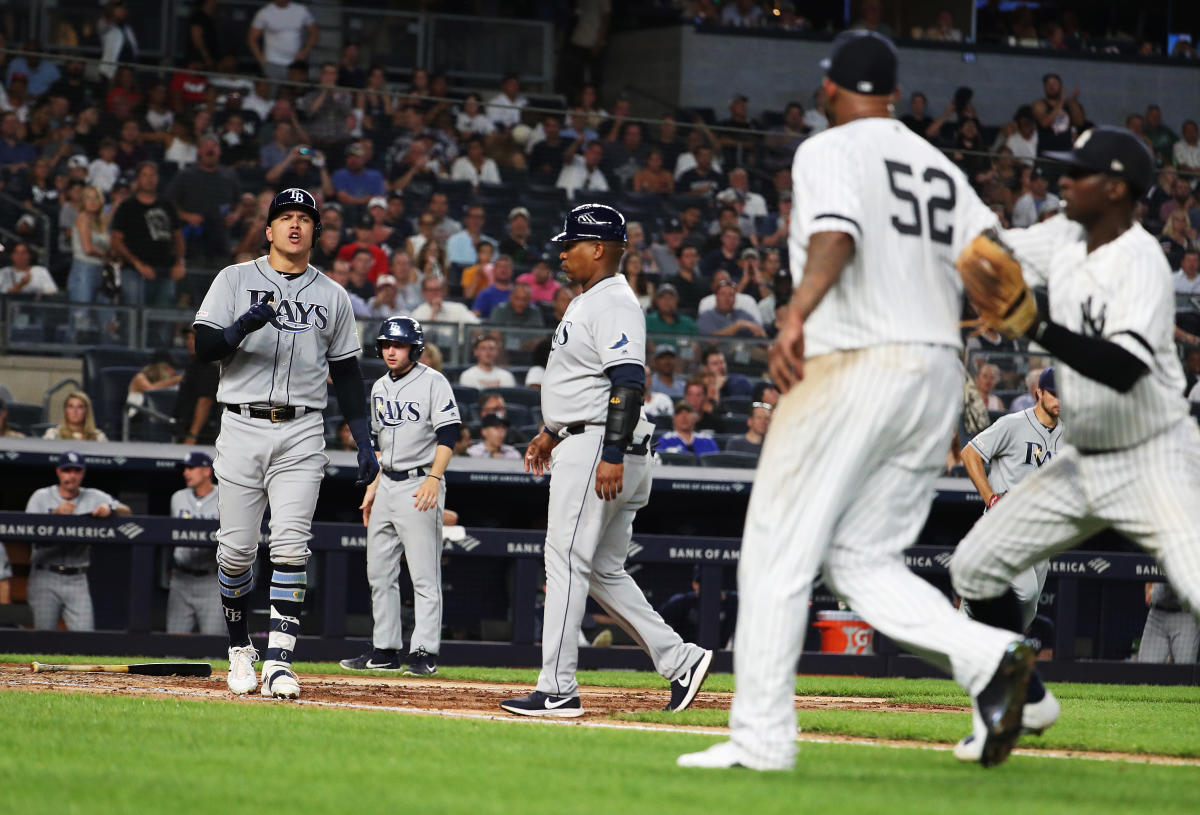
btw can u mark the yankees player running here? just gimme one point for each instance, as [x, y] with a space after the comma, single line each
[1133, 462]
[870, 345]
[191, 602]
[416, 421]
[597, 451]
[279, 328]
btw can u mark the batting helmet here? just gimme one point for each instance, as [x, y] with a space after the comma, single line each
[402, 329]
[592, 222]
[296, 198]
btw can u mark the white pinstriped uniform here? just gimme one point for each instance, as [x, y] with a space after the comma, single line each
[1016, 446]
[846, 475]
[587, 538]
[1133, 459]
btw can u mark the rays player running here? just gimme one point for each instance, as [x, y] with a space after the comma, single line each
[1133, 461]
[279, 328]
[870, 343]
[191, 602]
[596, 446]
[415, 419]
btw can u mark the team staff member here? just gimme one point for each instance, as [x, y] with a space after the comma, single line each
[597, 449]
[416, 420]
[191, 602]
[870, 342]
[279, 327]
[1133, 462]
[58, 583]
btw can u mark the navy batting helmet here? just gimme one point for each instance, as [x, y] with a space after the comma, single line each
[296, 198]
[402, 329]
[592, 222]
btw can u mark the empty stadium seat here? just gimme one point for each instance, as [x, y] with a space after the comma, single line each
[679, 459]
[745, 461]
[22, 415]
[108, 397]
[96, 359]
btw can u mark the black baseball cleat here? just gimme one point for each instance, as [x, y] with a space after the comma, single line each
[545, 706]
[377, 659]
[685, 688]
[421, 663]
[1002, 702]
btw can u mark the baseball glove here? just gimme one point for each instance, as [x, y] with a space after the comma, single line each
[995, 286]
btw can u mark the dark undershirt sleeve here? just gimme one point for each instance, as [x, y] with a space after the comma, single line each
[447, 435]
[1094, 357]
[348, 384]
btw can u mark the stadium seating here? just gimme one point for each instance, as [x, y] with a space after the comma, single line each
[108, 397]
[22, 416]
[679, 459]
[746, 461]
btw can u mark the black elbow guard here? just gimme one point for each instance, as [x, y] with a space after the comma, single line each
[624, 411]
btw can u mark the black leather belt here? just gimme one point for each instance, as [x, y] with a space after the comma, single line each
[405, 475]
[194, 572]
[637, 449]
[62, 569]
[1170, 609]
[274, 414]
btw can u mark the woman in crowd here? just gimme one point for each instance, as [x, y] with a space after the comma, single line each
[89, 246]
[1177, 236]
[160, 374]
[431, 260]
[377, 103]
[478, 277]
[654, 177]
[79, 422]
[633, 269]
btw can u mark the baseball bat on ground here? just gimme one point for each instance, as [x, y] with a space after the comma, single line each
[145, 668]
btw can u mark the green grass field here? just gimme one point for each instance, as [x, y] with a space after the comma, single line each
[62, 752]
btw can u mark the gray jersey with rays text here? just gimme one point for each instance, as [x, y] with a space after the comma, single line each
[48, 499]
[1015, 446]
[406, 414]
[286, 362]
[186, 504]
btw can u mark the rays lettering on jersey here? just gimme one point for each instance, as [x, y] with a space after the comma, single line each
[393, 413]
[1034, 454]
[295, 316]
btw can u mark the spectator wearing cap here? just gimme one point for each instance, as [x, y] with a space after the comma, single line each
[665, 379]
[461, 246]
[23, 276]
[493, 430]
[756, 430]
[408, 283]
[582, 172]
[192, 605]
[540, 280]
[15, 154]
[485, 373]
[356, 184]
[386, 302]
[499, 291]
[724, 319]
[518, 311]
[58, 585]
[683, 437]
[518, 244]
[664, 317]
[474, 166]
[1033, 205]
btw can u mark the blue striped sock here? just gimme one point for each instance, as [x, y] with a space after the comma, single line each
[288, 586]
[235, 599]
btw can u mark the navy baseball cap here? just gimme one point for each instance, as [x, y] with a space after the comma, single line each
[1046, 381]
[863, 62]
[295, 198]
[197, 459]
[71, 460]
[592, 222]
[1112, 151]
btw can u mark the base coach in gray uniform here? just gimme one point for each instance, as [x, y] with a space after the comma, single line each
[191, 603]
[58, 583]
[279, 328]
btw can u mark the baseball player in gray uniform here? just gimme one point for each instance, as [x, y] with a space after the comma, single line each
[596, 445]
[870, 343]
[416, 421]
[279, 327]
[1015, 446]
[191, 602]
[58, 584]
[1133, 461]
[1171, 634]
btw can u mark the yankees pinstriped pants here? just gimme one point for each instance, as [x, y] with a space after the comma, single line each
[261, 462]
[1149, 493]
[844, 484]
[587, 541]
[398, 528]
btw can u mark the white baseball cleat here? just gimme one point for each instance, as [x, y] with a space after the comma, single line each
[241, 677]
[1036, 718]
[725, 755]
[279, 681]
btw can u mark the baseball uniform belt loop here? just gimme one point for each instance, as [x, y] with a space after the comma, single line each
[405, 475]
[274, 414]
[62, 569]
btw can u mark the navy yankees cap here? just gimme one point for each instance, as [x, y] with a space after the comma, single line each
[592, 222]
[1112, 151]
[197, 459]
[1046, 381]
[863, 62]
[70, 460]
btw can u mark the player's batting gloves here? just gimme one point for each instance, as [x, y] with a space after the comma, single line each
[255, 318]
[368, 465]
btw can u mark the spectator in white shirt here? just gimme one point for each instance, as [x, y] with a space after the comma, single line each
[815, 116]
[755, 206]
[471, 120]
[1187, 149]
[281, 25]
[1022, 136]
[504, 109]
[386, 302]
[103, 172]
[1187, 279]
[475, 166]
[1035, 204]
[583, 172]
[485, 373]
[494, 428]
[22, 277]
[437, 309]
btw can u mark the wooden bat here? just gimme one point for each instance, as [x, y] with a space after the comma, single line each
[145, 668]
